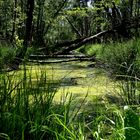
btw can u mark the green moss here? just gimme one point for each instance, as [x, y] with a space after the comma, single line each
[72, 77]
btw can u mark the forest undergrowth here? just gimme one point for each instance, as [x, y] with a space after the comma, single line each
[29, 111]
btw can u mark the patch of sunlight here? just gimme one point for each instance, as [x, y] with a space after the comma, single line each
[73, 77]
[93, 87]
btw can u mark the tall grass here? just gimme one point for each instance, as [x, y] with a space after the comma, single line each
[7, 53]
[28, 110]
[122, 59]
[122, 62]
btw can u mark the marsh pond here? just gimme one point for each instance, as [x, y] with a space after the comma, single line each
[76, 77]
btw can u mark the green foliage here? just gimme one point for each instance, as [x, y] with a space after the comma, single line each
[7, 53]
[132, 124]
[11, 17]
[18, 42]
[91, 50]
[27, 106]
[79, 12]
[129, 90]
[122, 59]
[28, 111]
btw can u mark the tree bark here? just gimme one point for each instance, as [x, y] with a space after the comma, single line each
[14, 20]
[28, 36]
[93, 59]
[73, 46]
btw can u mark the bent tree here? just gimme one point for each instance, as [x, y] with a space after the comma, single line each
[28, 35]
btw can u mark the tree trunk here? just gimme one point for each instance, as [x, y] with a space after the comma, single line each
[74, 28]
[76, 44]
[28, 36]
[14, 20]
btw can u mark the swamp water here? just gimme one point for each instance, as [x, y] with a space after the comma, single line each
[75, 77]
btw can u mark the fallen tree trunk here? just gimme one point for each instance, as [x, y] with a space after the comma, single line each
[62, 61]
[66, 47]
[43, 57]
[81, 42]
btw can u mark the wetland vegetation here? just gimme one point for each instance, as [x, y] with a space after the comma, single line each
[69, 100]
[69, 70]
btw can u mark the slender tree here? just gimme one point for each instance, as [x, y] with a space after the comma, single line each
[14, 20]
[28, 35]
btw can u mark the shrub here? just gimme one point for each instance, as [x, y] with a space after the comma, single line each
[7, 53]
[131, 124]
[91, 50]
[121, 59]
